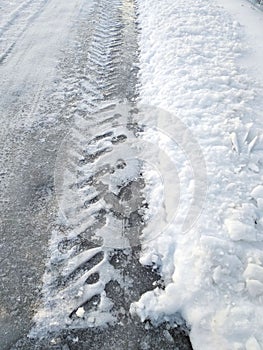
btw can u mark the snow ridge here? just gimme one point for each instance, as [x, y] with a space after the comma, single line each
[189, 64]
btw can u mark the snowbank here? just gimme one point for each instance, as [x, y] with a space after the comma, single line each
[191, 65]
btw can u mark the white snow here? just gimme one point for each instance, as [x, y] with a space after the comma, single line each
[202, 61]
[257, 192]
[80, 312]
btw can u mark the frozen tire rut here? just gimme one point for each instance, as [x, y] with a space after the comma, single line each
[99, 193]
[93, 272]
[80, 268]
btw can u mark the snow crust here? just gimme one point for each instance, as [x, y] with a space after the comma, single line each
[195, 62]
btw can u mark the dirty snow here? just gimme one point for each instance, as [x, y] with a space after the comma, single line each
[200, 60]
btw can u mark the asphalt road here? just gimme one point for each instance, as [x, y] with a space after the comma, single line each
[65, 67]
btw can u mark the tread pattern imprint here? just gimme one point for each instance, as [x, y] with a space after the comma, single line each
[93, 273]
[98, 180]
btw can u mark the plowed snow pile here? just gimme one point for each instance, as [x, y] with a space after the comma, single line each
[195, 62]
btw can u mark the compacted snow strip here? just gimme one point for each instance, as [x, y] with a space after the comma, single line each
[190, 65]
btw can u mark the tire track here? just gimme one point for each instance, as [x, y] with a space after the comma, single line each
[14, 15]
[79, 271]
[17, 23]
[93, 273]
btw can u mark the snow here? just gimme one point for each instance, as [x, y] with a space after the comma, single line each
[250, 19]
[80, 312]
[257, 192]
[202, 62]
[24, 42]
[240, 231]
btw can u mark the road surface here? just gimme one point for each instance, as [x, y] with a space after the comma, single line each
[72, 208]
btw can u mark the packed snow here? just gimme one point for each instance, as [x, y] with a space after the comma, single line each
[196, 61]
